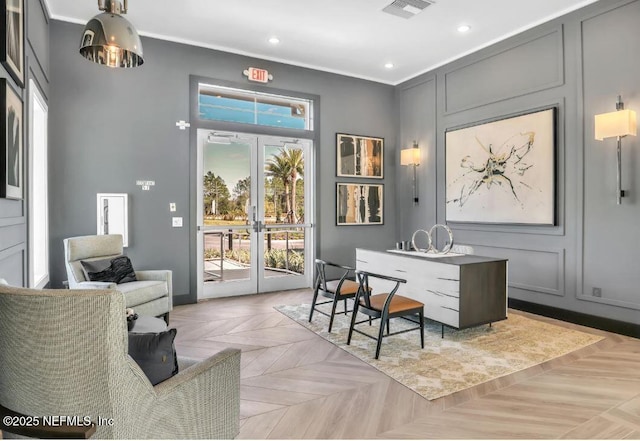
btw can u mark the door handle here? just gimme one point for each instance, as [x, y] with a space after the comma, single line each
[258, 226]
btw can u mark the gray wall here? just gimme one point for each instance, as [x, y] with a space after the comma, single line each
[110, 128]
[579, 63]
[13, 214]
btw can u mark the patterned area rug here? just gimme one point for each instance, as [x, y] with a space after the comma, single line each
[461, 360]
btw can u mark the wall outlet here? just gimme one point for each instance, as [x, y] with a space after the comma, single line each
[172, 207]
[597, 292]
[176, 222]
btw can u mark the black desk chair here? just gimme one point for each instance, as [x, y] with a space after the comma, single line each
[335, 290]
[384, 306]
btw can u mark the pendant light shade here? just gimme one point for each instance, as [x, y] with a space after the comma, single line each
[110, 39]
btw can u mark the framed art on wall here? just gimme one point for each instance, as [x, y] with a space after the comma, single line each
[359, 156]
[112, 215]
[12, 45]
[503, 171]
[359, 204]
[11, 177]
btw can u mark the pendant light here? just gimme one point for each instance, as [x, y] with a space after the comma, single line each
[110, 39]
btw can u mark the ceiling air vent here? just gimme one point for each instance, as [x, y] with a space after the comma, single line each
[407, 8]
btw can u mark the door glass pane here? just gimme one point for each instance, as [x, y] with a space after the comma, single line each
[283, 184]
[226, 188]
[283, 252]
[227, 255]
[283, 204]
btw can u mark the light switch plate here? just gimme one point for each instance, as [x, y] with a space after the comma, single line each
[176, 222]
[172, 207]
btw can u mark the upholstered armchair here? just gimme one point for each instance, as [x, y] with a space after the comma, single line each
[150, 295]
[64, 353]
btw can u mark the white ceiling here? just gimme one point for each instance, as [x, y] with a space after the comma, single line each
[350, 37]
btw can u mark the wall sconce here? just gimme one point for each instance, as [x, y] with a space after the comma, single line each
[412, 157]
[616, 124]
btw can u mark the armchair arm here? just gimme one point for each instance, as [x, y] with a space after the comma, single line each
[40, 430]
[209, 395]
[160, 275]
[96, 285]
[154, 275]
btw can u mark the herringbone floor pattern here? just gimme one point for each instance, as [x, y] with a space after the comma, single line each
[296, 385]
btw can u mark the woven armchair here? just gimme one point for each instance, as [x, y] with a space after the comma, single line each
[150, 295]
[64, 353]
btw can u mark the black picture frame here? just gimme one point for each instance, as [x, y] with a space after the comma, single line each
[12, 145]
[359, 156]
[359, 203]
[12, 44]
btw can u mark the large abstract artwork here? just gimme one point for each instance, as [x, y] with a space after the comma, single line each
[503, 171]
[11, 149]
[359, 204]
[359, 156]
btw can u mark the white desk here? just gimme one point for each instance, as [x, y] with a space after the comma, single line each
[459, 291]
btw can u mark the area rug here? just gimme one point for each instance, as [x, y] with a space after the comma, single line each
[460, 360]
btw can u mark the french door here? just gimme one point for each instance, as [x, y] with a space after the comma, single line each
[254, 213]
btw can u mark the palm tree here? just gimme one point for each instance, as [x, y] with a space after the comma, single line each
[277, 167]
[288, 166]
[295, 159]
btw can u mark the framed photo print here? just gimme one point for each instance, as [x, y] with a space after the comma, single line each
[359, 204]
[12, 44]
[503, 171]
[11, 177]
[359, 156]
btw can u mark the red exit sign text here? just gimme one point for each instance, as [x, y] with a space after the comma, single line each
[258, 75]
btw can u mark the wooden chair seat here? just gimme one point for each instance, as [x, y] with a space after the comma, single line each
[398, 303]
[348, 288]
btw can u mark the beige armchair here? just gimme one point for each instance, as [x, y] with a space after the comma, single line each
[150, 295]
[65, 354]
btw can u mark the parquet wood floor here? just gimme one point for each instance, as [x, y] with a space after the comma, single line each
[296, 385]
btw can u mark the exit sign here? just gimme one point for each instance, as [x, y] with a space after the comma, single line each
[258, 75]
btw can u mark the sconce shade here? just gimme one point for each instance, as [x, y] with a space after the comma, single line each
[410, 156]
[111, 40]
[613, 124]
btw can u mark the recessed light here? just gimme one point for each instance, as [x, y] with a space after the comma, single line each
[274, 40]
[464, 28]
[388, 65]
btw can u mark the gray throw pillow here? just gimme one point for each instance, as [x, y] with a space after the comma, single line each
[117, 270]
[155, 354]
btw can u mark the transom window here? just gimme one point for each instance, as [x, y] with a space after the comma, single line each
[217, 103]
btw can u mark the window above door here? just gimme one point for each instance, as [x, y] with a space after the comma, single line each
[218, 103]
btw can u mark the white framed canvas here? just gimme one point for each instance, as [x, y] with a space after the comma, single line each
[503, 172]
[112, 215]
